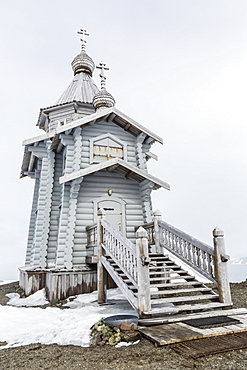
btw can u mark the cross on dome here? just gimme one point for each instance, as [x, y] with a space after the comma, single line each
[84, 33]
[103, 68]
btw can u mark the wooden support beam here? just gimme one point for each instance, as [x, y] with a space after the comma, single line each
[220, 261]
[157, 233]
[128, 174]
[127, 126]
[112, 168]
[91, 123]
[111, 117]
[101, 272]
[143, 271]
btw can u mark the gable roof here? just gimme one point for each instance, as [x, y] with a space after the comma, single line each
[116, 164]
[110, 114]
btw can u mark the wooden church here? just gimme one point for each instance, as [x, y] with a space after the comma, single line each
[92, 190]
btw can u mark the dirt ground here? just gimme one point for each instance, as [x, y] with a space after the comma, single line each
[141, 356]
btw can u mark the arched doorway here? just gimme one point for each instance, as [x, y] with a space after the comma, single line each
[115, 212]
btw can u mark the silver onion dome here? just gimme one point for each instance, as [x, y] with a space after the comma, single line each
[103, 99]
[83, 63]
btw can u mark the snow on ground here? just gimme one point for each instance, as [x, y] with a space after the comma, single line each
[2, 282]
[36, 299]
[26, 325]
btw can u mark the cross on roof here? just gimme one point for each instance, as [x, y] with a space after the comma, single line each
[84, 33]
[103, 68]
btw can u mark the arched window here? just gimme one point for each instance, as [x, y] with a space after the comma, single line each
[106, 147]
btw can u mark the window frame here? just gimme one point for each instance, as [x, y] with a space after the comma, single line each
[106, 136]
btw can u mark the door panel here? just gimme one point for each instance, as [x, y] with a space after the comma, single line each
[114, 213]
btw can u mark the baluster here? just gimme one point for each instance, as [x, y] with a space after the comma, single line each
[194, 254]
[189, 253]
[184, 249]
[210, 267]
[176, 243]
[180, 246]
[204, 265]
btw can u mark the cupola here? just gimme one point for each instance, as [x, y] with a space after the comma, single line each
[103, 99]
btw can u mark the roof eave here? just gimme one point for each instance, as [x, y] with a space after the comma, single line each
[95, 117]
[114, 163]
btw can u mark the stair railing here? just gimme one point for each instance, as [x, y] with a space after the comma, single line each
[132, 260]
[196, 254]
[208, 261]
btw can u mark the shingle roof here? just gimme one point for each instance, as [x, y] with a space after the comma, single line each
[82, 89]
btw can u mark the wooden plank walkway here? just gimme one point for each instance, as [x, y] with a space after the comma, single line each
[181, 317]
[179, 332]
[209, 346]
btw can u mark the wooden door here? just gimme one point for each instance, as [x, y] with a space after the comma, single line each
[114, 213]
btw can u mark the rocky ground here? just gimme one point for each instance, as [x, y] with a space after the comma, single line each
[141, 356]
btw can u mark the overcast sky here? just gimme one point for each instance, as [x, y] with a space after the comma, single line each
[178, 67]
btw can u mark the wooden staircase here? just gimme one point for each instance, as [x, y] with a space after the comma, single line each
[154, 284]
[172, 289]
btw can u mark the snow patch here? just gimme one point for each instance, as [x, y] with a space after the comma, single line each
[126, 344]
[36, 299]
[26, 325]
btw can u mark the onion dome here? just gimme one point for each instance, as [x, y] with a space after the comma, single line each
[82, 62]
[103, 99]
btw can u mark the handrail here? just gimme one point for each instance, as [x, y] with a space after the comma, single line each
[91, 235]
[121, 250]
[198, 255]
[149, 227]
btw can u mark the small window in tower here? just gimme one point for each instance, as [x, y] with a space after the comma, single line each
[106, 147]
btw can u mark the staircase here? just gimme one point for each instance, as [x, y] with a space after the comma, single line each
[173, 290]
[154, 284]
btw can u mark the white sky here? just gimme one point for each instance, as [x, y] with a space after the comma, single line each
[177, 67]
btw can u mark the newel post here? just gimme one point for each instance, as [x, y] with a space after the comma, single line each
[101, 273]
[143, 271]
[157, 235]
[220, 265]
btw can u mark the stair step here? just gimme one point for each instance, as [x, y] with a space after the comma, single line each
[159, 258]
[181, 317]
[186, 277]
[201, 297]
[167, 272]
[158, 255]
[188, 307]
[175, 285]
[180, 291]
[164, 267]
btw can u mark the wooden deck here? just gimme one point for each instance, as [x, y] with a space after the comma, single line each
[180, 332]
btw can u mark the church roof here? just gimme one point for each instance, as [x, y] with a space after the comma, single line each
[81, 89]
[119, 165]
[109, 114]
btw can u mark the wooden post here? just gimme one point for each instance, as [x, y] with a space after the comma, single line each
[143, 260]
[220, 264]
[157, 217]
[101, 272]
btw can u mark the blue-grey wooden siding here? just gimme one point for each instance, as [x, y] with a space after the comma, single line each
[96, 186]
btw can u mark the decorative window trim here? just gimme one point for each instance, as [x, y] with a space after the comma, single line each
[106, 136]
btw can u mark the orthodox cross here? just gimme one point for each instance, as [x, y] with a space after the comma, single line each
[103, 68]
[84, 33]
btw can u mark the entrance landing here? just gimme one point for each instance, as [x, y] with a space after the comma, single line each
[176, 332]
